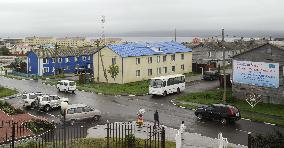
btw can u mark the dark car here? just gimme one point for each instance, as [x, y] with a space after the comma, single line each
[220, 112]
[211, 75]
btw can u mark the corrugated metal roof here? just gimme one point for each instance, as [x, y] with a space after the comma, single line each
[135, 49]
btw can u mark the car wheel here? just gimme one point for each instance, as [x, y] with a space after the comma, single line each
[165, 93]
[96, 118]
[223, 121]
[73, 91]
[178, 90]
[199, 116]
[47, 108]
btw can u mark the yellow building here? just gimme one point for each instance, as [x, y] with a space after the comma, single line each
[139, 62]
[107, 41]
[72, 42]
[39, 40]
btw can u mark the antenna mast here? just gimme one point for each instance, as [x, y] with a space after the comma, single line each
[103, 20]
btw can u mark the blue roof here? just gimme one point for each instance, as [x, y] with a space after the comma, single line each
[146, 49]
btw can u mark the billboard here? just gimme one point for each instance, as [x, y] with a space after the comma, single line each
[256, 73]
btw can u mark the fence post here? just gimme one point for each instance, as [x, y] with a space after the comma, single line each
[249, 140]
[13, 134]
[108, 135]
[163, 138]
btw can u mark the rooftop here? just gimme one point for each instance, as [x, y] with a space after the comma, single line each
[64, 52]
[146, 49]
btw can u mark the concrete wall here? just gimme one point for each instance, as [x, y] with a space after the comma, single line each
[261, 54]
[128, 67]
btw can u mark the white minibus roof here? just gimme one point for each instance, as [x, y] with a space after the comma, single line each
[167, 77]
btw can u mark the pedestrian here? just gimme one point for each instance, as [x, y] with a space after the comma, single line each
[156, 119]
[182, 129]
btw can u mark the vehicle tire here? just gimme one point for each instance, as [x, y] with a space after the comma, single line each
[199, 116]
[178, 90]
[165, 93]
[73, 92]
[47, 108]
[33, 105]
[223, 121]
[96, 118]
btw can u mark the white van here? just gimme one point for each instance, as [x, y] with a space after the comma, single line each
[66, 86]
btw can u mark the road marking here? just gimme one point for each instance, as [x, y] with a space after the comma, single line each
[269, 123]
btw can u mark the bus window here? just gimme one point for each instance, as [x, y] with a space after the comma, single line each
[156, 83]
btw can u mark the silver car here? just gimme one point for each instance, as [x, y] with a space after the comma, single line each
[77, 112]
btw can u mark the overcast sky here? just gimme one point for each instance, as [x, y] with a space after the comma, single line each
[82, 17]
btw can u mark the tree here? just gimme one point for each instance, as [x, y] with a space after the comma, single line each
[113, 71]
[4, 51]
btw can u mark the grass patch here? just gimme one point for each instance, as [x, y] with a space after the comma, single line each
[4, 92]
[91, 142]
[9, 109]
[262, 112]
[135, 88]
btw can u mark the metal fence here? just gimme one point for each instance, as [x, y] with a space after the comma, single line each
[20, 134]
[124, 135]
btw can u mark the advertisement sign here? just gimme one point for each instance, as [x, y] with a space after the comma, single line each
[256, 73]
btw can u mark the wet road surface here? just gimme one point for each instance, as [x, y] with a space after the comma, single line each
[124, 108]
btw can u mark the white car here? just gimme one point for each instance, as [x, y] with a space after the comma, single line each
[66, 86]
[30, 98]
[77, 112]
[48, 102]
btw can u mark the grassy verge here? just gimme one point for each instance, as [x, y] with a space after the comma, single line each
[262, 112]
[4, 92]
[135, 88]
[91, 142]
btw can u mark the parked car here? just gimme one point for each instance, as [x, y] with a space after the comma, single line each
[30, 98]
[211, 75]
[77, 112]
[66, 86]
[48, 102]
[220, 112]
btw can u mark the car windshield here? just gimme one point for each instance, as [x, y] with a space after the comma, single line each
[24, 97]
[45, 99]
[72, 83]
[156, 83]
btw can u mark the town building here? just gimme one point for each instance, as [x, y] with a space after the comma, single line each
[72, 42]
[137, 62]
[33, 41]
[258, 72]
[210, 54]
[21, 49]
[106, 41]
[44, 62]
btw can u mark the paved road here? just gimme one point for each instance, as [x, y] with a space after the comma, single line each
[124, 108]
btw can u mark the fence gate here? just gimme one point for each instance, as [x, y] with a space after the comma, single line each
[128, 135]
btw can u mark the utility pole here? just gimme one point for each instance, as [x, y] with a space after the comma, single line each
[175, 35]
[224, 68]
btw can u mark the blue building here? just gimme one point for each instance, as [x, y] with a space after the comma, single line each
[44, 62]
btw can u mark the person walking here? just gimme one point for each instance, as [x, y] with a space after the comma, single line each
[156, 119]
[182, 130]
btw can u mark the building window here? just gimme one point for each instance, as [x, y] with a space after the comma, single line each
[268, 51]
[67, 60]
[182, 56]
[182, 67]
[173, 57]
[113, 61]
[76, 59]
[150, 72]
[159, 70]
[209, 54]
[165, 69]
[137, 60]
[158, 59]
[137, 73]
[67, 67]
[89, 58]
[45, 69]
[30, 68]
[59, 60]
[164, 58]
[84, 58]
[150, 60]
[53, 60]
[45, 61]
[173, 68]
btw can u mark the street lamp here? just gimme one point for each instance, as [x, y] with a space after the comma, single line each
[64, 106]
